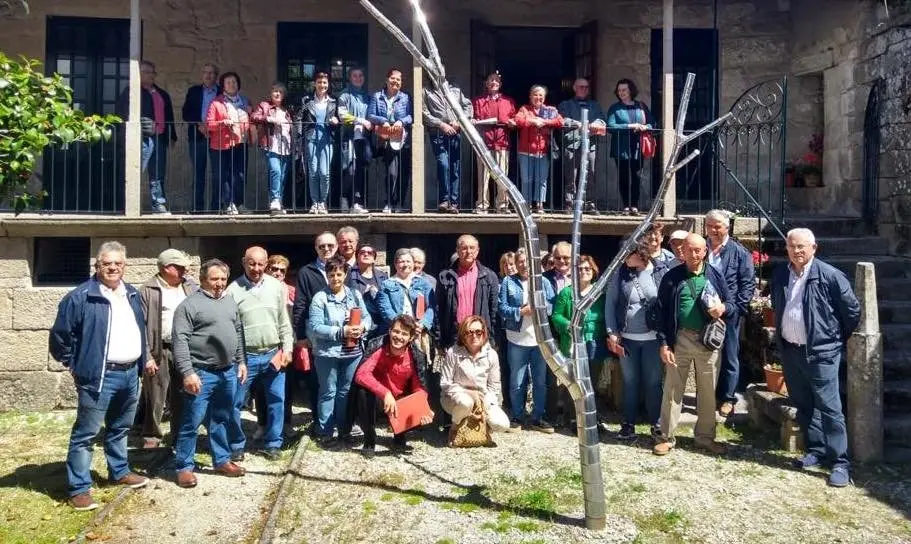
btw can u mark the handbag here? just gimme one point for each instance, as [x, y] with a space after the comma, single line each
[648, 146]
[473, 431]
[712, 335]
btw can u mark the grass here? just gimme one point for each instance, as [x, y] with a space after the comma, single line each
[668, 525]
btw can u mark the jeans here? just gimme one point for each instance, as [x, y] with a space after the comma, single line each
[628, 170]
[230, 170]
[115, 408]
[199, 147]
[813, 388]
[213, 405]
[525, 360]
[319, 158]
[448, 151]
[278, 168]
[335, 375]
[641, 371]
[729, 371]
[154, 159]
[534, 172]
[355, 174]
[260, 374]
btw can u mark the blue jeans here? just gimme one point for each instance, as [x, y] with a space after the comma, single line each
[729, 370]
[230, 170]
[199, 149]
[213, 405]
[335, 375]
[278, 167]
[641, 371]
[115, 408]
[525, 360]
[448, 151]
[319, 158]
[534, 172]
[260, 373]
[813, 388]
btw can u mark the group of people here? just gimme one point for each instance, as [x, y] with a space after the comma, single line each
[359, 339]
[222, 123]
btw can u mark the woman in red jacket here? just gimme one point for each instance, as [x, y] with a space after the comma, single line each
[390, 373]
[228, 125]
[535, 122]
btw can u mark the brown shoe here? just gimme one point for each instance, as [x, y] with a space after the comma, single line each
[133, 480]
[186, 478]
[726, 409]
[230, 470]
[663, 448]
[713, 447]
[83, 502]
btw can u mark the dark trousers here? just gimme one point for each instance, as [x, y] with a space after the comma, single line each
[628, 170]
[813, 388]
[295, 382]
[368, 408]
[448, 152]
[396, 178]
[199, 154]
[572, 160]
[230, 170]
[729, 371]
[164, 387]
[354, 178]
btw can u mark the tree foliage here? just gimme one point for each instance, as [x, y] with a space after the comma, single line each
[37, 111]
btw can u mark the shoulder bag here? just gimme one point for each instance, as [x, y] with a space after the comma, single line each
[647, 143]
[473, 431]
[712, 335]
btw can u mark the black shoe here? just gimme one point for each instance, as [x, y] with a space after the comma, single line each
[541, 426]
[327, 442]
[272, 454]
[401, 446]
[627, 432]
[369, 452]
[237, 456]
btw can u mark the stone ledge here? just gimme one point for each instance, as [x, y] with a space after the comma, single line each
[766, 407]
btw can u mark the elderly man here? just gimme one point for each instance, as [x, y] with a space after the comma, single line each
[464, 289]
[98, 337]
[571, 110]
[443, 130]
[676, 241]
[268, 343]
[815, 313]
[209, 353]
[420, 261]
[348, 239]
[561, 274]
[195, 106]
[160, 297]
[688, 297]
[734, 262]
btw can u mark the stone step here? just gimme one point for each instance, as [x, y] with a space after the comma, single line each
[896, 364]
[897, 397]
[894, 289]
[897, 427]
[896, 337]
[835, 246]
[895, 311]
[886, 267]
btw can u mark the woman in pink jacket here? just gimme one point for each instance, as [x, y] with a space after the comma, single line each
[536, 121]
[274, 122]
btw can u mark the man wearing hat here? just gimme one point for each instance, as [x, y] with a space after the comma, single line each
[160, 297]
[677, 240]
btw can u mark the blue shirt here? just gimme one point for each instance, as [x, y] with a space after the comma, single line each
[208, 94]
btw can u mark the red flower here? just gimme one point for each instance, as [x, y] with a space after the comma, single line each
[759, 258]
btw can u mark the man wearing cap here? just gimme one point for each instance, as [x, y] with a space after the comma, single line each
[677, 241]
[160, 296]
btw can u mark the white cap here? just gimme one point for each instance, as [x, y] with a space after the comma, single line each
[679, 235]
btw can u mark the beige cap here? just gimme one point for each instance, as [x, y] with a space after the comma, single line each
[679, 235]
[173, 256]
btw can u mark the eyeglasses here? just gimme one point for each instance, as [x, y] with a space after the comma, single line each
[367, 252]
[325, 246]
[585, 269]
[108, 264]
[562, 258]
[278, 269]
[475, 332]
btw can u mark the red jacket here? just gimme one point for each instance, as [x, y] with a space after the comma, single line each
[221, 136]
[383, 372]
[504, 109]
[534, 140]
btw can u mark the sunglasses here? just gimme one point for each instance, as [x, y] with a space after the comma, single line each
[475, 332]
[325, 246]
[585, 269]
[278, 269]
[367, 252]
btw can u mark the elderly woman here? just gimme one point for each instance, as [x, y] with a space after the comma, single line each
[318, 114]
[406, 293]
[390, 113]
[228, 126]
[337, 349]
[536, 121]
[522, 349]
[356, 148]
[626, 120]
[470, 373]
[274, 122]
[390, 373]
[367, 279]
[629, 317]
[507, 264]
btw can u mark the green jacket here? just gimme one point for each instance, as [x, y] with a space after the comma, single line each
[592, 323]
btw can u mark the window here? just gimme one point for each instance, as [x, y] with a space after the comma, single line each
[61, 261]
[307, 48]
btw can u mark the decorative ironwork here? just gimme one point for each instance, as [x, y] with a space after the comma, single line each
[14, 8]
[762, 103]
[872, 140]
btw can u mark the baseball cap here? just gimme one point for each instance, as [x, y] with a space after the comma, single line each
[173, 256]
[679, 235]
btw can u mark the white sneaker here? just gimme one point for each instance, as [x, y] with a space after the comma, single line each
[387, 209]
[314, 209]
[344, 205]
[231, 209]
[259, 434]
[357, 208]
[276, 207]
[322, 208]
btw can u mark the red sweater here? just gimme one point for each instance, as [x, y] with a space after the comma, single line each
[534, 140]
[501, 108]
[383, 372]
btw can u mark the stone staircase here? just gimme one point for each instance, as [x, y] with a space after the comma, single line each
[843, 243]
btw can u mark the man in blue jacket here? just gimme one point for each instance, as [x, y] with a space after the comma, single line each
[571, 111]
[815, 313]
[98, 336]
[689, 297]
[735, 264]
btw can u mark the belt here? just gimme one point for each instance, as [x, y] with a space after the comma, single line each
[119, 367]
[212, 368]
[792, 345]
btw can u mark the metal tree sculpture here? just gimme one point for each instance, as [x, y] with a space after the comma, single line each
[571, 371]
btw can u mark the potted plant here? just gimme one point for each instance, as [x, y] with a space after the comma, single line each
[762, 306]
[774, 378]
[811, 163]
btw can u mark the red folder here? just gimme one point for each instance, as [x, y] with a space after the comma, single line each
[409, 409]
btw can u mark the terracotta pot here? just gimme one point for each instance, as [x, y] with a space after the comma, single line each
[768, 317]
[774, 380]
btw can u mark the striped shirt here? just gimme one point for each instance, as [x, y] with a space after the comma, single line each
[793, 328]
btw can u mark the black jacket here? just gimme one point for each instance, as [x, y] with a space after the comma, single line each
[310, 281]
[485, 303]
[192, 110]
[672, 284]
[147, 109]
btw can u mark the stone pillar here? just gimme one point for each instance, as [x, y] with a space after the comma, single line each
[132, 192]
[670, 198]
[865, 373]
[417, 129]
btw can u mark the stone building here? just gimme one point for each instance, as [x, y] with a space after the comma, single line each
[797, 67]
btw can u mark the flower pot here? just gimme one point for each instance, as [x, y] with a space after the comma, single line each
[774, 380]
[768, 317]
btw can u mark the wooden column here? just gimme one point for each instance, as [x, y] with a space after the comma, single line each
[417, 129]
[667, 113]
[132, 190]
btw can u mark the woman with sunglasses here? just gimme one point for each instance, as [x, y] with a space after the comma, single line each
[470, 373]
[366, 279]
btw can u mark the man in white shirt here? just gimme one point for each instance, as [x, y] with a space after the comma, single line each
[160, 297]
